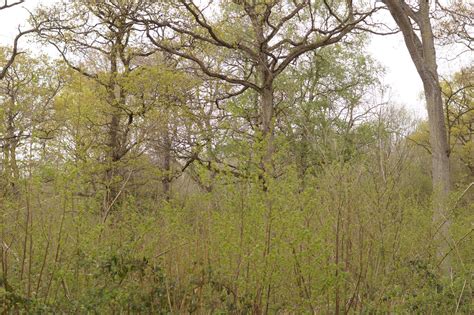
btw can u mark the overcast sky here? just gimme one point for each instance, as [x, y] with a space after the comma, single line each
[390, 51]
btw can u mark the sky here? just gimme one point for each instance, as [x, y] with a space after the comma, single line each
[400, 76]
[405, 87]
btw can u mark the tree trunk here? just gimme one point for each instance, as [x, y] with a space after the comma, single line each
[14, 165]
[12, 173]
[165, 158]
[440, 169]
[112, 158]
[267, 137]
[114, 153]
[423, 53]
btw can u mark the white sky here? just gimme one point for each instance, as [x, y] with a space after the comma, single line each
[390, 51]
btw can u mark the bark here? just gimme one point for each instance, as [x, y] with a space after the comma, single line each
[166, 162]
[14, 166]
[113, 158]
[10, 165]
[267, 128]
[118, 145]
[423, 53]
[113, 154]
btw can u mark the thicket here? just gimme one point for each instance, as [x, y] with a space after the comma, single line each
[186, 213]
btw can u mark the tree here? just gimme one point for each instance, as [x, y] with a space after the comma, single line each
[326, 94]
[27, 92]
[255, 41]
[110, 51]
[414, 22]
[458, 94]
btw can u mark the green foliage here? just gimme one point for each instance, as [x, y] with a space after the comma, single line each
[348, 234]
[150, 189]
